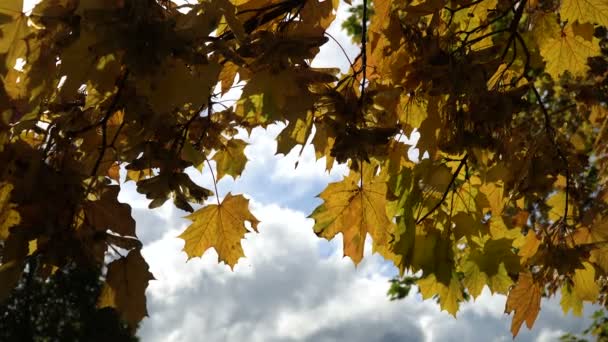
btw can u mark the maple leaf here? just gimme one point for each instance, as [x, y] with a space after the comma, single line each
[13, 29]
[583, 288]
[231, 159]
[221, 227]
[296, 133]
[177, 84]
[529, 246]
[596, 236]
[108, 213]
[491, 266]
[584, 282]
[125, 287]
[9, 217]
[354, 207]
[570, 300]
[568, 52]
[524, 300]
[592, 11]
[450, 294]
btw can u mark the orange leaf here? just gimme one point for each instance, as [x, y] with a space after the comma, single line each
[524, 299]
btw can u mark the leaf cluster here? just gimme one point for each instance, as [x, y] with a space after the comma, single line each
[509, 98]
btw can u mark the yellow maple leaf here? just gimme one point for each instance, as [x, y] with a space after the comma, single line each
[125, 287]
[528, 246]
[568, 51]
[585, 286]
[449, 295]
[9, 217]
[221, 227]
[570, 300]
[490, 266]
[557, 202]
[524, 299]
[591, 11]
[494, 193]
[596, 236]
[354, 207]
[231, 159]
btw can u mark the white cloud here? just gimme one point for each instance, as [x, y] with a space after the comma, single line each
[284, 290]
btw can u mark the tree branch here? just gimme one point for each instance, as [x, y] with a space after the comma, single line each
[551, 133]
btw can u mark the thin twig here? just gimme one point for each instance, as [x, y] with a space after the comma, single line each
[552, 135]
[104, 122]
[447, 190]
[363, 51]
[341, 48]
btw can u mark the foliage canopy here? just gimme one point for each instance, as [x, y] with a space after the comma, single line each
[509, 98]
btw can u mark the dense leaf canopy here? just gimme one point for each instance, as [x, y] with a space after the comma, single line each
[509, 98]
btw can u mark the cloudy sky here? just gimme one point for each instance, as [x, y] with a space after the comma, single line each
[293, 286]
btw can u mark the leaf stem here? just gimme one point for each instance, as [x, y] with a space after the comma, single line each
[217, 194]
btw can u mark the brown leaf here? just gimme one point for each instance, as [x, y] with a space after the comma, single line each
[114, 172]
[524, 300]
[108, 213]
[125, 287]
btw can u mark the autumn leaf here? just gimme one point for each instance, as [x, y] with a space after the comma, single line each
[557, 203]
[9, 217]
[177, 84]
[219, 226]
[114, 172]
[450, 295]
[591, 11]
[570, 300]
[125, 287]
[354, 207]
[491, 266]
[529, 246]
[296, 133]
[595, 236]
[108, 213]
[568, 52]
[585, 286]
[13, 29]
[524, 301]
[231, 159]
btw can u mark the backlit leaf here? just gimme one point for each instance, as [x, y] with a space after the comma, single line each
[524, 301]
[125, 287]
[592, 11]
[450, 295]
[231, 159]
[568, 52]
[9, 217]
[220, 227]
[354, 207]
[109, 213]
